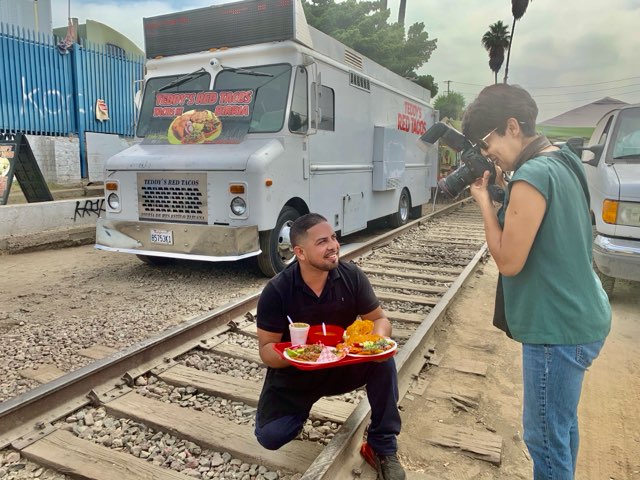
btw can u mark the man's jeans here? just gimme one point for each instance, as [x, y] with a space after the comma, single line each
[552, 378]
[381, 380]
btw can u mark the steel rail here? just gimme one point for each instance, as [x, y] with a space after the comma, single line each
[21, 415]
[342, 453]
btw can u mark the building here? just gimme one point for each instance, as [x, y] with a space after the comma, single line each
[28, 14]
[100, 34]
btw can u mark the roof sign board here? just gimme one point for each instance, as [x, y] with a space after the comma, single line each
[229, 25]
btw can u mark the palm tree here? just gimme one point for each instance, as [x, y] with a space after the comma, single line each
[495, 41]
[518, 9]
[402, 11]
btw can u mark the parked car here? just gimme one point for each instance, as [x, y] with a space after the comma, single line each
[612, 164]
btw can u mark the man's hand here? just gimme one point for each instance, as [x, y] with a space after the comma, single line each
[268, 355]
[381, 324]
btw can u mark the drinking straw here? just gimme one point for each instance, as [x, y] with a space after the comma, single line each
[324, 330]
[289, 318]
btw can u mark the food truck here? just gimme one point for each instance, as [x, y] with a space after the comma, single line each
[250, 118]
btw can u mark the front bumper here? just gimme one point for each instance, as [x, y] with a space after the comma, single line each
[617, 258]
[213, 243]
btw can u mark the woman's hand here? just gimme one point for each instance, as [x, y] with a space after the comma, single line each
[479, 191]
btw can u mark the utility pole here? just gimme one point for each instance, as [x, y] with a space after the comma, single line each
[448, 82]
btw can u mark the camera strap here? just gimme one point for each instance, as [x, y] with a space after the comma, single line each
[532, 150]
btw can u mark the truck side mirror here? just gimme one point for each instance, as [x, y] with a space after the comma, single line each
[597, 153]
[576, 144]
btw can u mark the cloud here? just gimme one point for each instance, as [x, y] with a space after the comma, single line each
[556, 43]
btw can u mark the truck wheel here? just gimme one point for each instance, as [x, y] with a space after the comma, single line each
[277, 251]
[607, 282]
[155, 261]
[401, 217]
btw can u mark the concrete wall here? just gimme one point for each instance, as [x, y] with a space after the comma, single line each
[59, 157]
[61, 223]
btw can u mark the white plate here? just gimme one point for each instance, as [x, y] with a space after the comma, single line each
[392, 349]
[306, 362]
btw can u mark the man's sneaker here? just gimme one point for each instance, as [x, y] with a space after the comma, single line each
[387, 466]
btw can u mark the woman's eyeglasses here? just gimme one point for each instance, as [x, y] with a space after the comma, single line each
[482, 143]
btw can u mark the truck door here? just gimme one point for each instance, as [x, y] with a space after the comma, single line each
[299, 120]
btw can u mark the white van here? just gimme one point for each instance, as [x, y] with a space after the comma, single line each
[612, 164]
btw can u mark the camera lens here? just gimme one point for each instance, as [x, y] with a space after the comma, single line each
[455, 182]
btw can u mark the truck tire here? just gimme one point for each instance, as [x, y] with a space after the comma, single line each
[155, 261]
[401, 217]
[276, 248]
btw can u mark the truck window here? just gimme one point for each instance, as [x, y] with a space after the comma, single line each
[626, 138]
[270, 102]
[199, 82]
[299, 116]
[327, 107]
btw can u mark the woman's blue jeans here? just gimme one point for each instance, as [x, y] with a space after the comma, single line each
[552, 378]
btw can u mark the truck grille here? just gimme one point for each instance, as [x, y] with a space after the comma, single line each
[173, 197]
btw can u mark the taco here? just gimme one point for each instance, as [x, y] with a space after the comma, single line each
[194, 126]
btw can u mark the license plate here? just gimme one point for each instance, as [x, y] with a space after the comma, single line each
[161, 237]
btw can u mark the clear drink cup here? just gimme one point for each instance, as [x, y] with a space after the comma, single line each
[298, 332]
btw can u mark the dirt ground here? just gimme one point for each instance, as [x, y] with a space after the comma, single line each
[609, 411]
[81, 283]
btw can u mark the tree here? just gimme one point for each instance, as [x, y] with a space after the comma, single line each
[425, 81]
[518, 9]
[450, 105]
[363, 26]
[496, 41]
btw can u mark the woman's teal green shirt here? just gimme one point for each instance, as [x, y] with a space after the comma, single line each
[557, 297]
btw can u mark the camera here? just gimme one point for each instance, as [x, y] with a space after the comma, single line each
[474, 164]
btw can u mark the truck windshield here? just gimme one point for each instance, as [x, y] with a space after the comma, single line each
[626, 142]
[183, 83]
[271, 94]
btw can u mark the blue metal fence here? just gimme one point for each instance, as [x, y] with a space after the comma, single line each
[46, 92]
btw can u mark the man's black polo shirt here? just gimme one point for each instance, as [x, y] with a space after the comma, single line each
[346, 295]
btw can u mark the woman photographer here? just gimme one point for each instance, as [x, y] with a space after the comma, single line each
[540, 240]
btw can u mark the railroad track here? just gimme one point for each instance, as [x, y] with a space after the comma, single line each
[167, 401]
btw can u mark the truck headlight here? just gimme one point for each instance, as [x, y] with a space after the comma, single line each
[238, 206]
[621, 213]
[113, 200]
[629, 214]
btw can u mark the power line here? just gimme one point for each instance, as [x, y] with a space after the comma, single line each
[586, 84]
[583, 99]
[586, 91]
[557, 86]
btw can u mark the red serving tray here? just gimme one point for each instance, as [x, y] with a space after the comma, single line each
[279, 348]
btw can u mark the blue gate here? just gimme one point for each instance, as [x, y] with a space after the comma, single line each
[46, 92]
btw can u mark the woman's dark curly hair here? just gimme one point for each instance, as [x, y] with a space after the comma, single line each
[492, 108]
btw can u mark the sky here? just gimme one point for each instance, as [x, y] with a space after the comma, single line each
[566, 53]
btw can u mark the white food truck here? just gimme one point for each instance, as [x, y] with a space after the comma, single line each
[249, 118]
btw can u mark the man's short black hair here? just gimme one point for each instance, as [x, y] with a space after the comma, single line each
[302, 225]
[492, 108]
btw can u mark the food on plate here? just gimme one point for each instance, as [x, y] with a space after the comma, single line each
[359, 327]
[194, 126]
[316, 353]
[5, 165]
[372, 347]
[360, 340]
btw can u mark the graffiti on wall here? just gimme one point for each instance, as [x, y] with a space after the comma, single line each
[88, 208]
